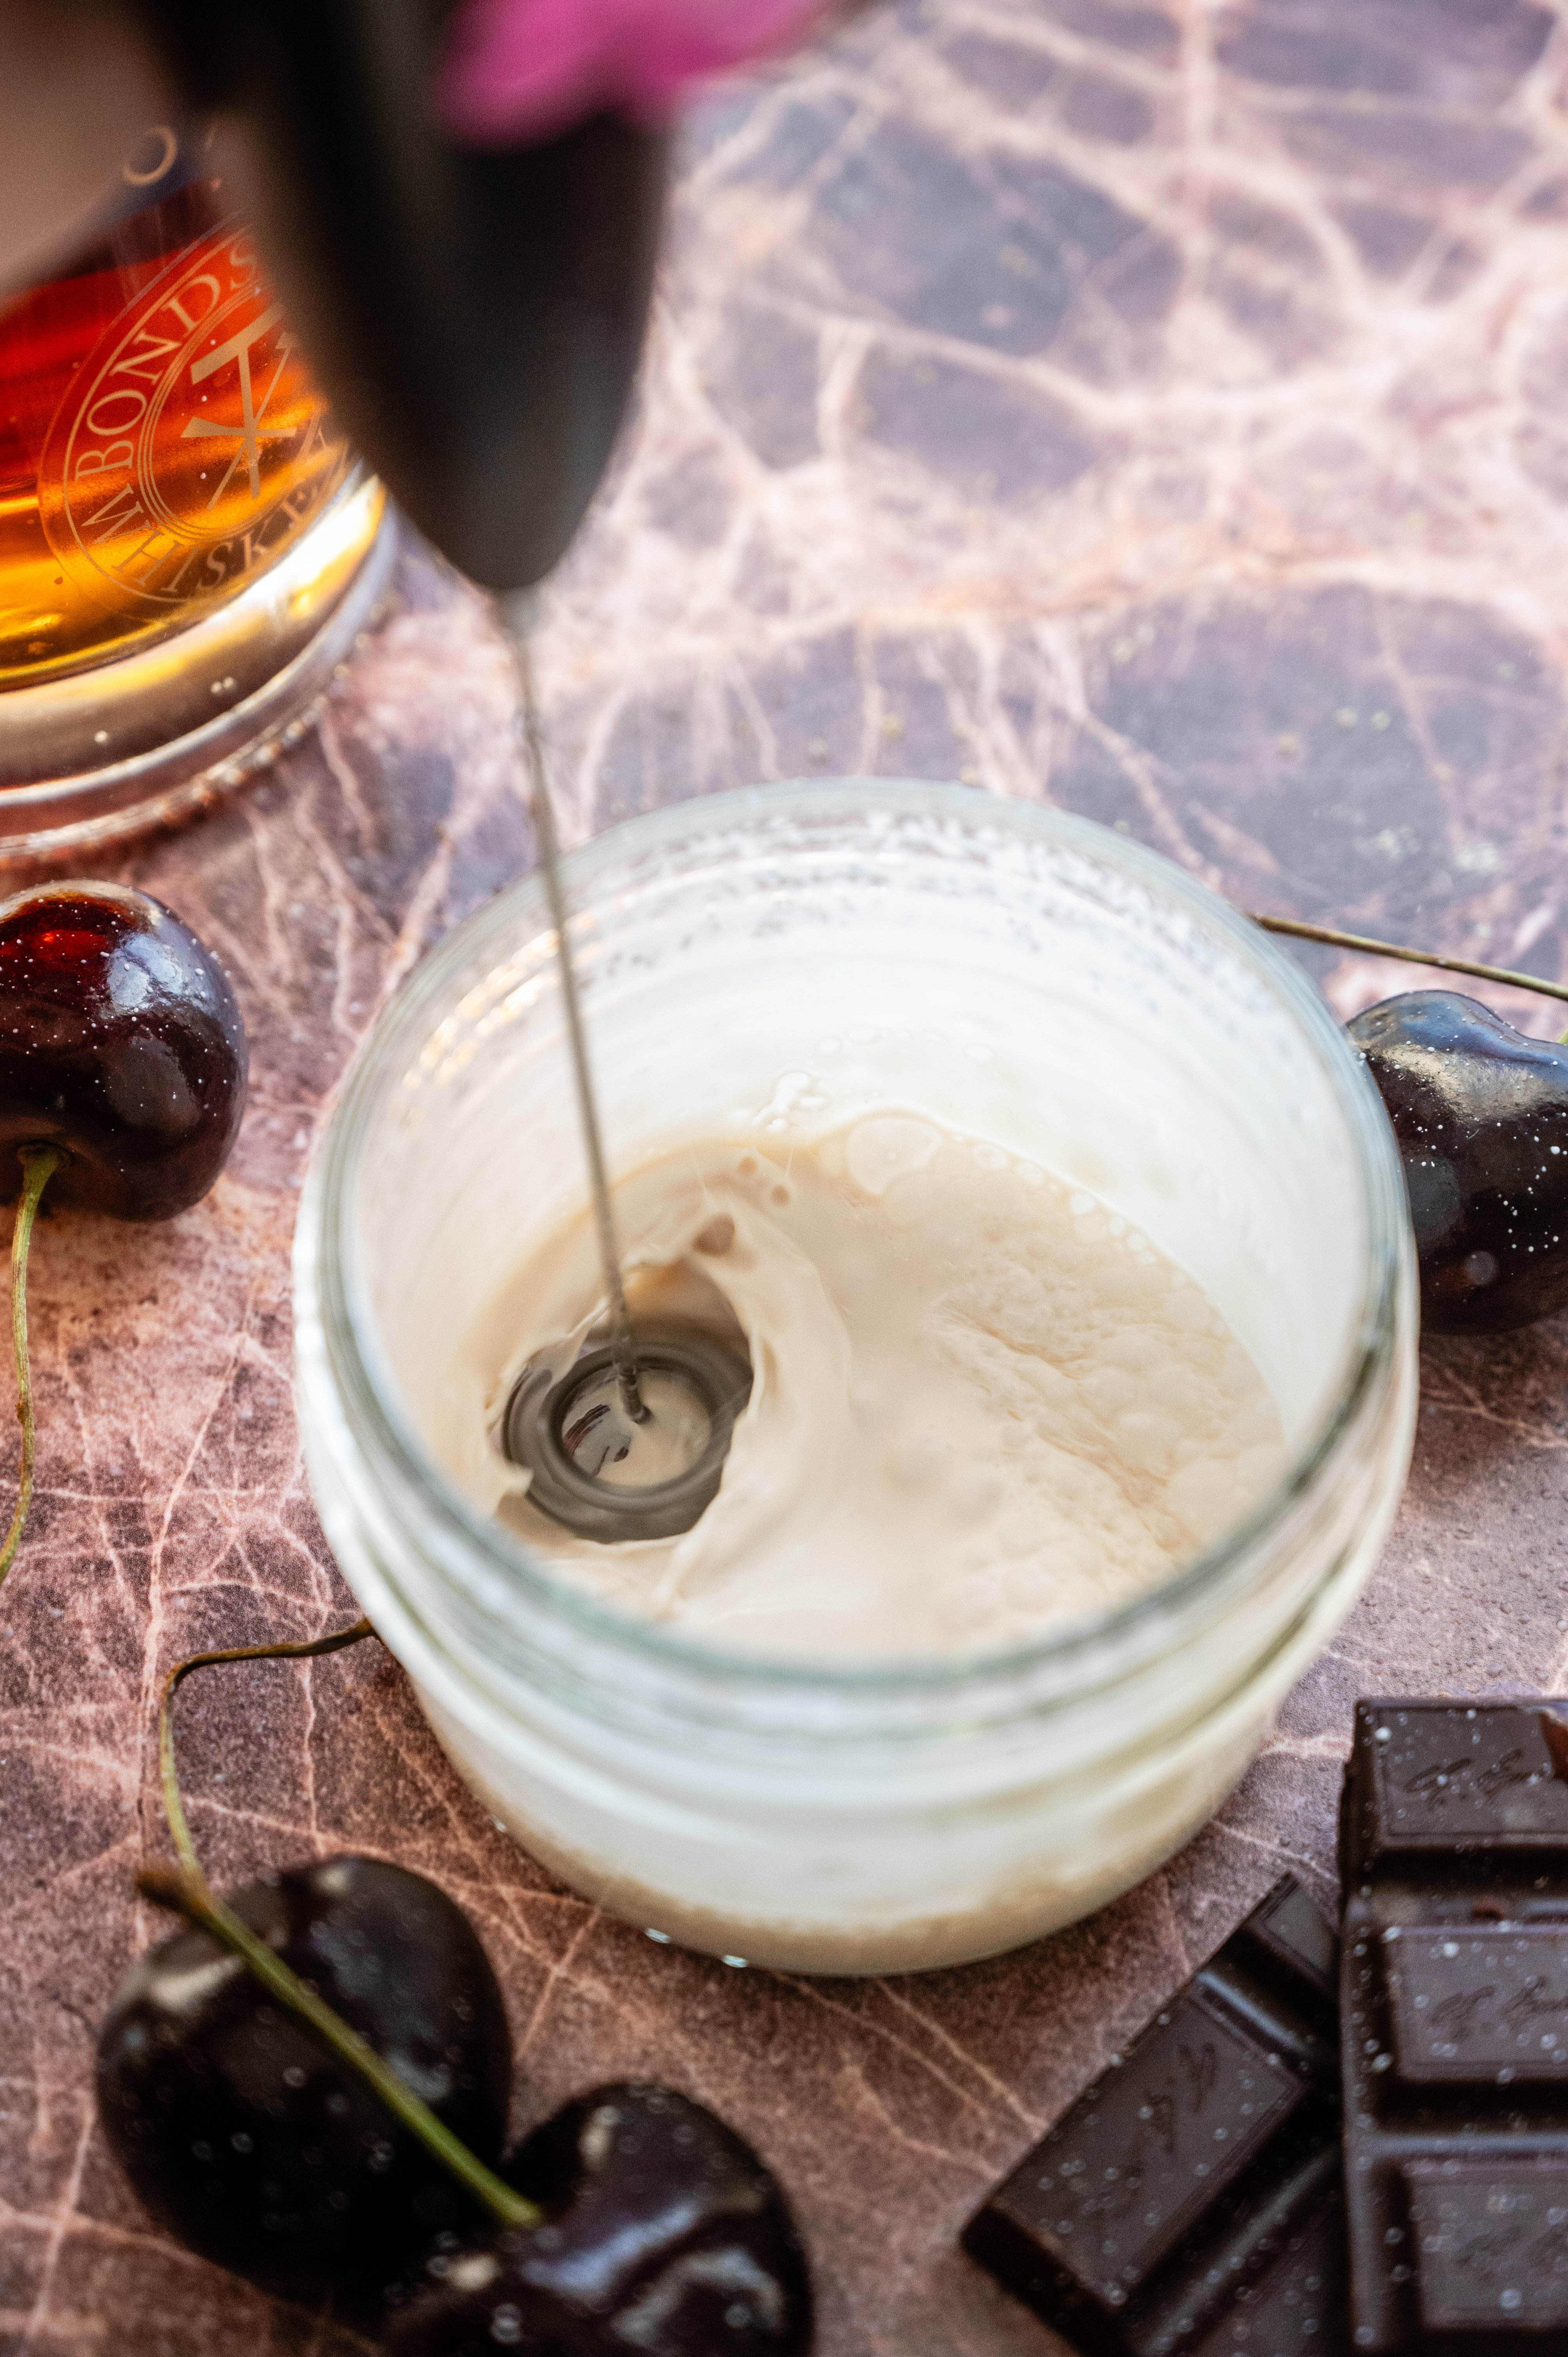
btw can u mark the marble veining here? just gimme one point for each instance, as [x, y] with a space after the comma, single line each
[1155, 410]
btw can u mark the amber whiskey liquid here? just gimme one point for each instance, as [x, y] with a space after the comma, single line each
[161, 442]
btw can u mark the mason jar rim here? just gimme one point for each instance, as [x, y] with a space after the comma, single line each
[325, 1261]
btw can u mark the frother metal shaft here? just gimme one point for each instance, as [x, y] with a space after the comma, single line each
[516, 615]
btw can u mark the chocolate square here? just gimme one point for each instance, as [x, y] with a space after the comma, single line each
[1188, 2203]
[1454, 2002]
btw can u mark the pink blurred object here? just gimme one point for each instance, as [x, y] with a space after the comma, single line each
[523, 68]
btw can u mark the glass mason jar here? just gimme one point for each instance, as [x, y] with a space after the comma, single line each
[774, 962]
[187, 547]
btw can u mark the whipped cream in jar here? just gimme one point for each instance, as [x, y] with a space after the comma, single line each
[982, 1405]
[1068, 1241]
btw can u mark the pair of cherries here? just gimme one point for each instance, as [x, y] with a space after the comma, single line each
[658, 2231]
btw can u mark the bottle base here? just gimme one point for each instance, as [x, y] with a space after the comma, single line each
[164, 732]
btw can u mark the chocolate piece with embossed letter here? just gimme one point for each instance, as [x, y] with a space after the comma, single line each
[1454, 1843]
[1188, 2205]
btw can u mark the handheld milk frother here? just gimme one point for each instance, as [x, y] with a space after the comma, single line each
[476, 316]
[625, 1439]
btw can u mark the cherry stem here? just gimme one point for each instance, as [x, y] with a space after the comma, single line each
[185, 1890]
[39, 1164]
[309, 1647]
[1337, 941]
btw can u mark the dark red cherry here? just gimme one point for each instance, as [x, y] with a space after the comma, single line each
[1481, 1116]
[241, 2133]
[664, 2236]
[122, 1042]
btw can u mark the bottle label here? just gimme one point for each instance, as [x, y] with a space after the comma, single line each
[191, 445]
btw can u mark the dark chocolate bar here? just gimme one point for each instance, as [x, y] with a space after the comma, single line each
[1453, 1995]
[1188, 2205]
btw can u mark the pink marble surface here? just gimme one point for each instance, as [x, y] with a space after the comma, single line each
[1158, 411]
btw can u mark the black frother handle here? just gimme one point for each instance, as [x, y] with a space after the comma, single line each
[475, 315]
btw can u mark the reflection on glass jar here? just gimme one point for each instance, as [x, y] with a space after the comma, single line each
[164, 452]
